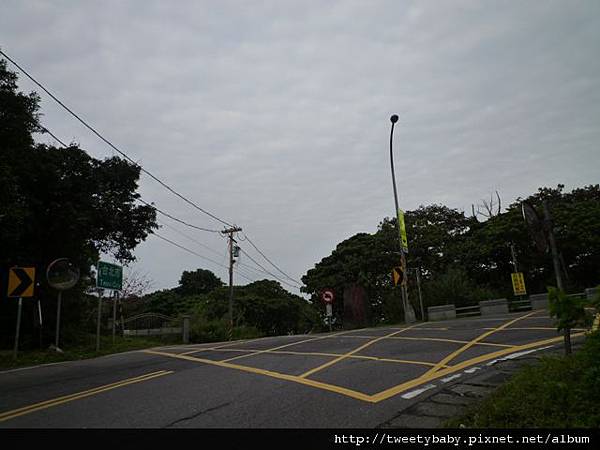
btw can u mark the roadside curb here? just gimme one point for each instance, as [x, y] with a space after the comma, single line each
[453, 399]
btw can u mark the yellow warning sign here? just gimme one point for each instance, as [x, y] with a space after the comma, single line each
[21, 281]
[398, 276]
[518, 282]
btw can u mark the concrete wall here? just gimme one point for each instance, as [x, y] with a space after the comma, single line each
[442, 312]
[491, 307]
[538, 301]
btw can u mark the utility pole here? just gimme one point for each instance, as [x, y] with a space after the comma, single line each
[418, 270]
[556, 262]
[514, 257]
[229, 232]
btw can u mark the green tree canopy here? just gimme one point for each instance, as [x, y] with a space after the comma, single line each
[200, 281]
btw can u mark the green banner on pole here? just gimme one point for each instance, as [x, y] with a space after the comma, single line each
[402, 229]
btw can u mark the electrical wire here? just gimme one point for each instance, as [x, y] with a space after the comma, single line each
[89, 127]
[176, 219]
[271, 262]
[196, 254]
[142, 169]
[266, 271]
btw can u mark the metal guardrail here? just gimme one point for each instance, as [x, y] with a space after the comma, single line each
[519, 305]
[460, 313]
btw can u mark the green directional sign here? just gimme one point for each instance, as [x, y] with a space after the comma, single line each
[110, 276]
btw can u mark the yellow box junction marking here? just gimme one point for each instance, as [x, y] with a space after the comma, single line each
[465, 347]
[287, 345]
[281, 376]
[335, 355]
[375, 398]
[79, 395]
[441, 367]
[356, 350]
[452, 341]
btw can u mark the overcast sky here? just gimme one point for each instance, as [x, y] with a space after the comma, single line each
[275, 115]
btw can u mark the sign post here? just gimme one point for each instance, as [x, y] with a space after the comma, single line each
[110, 276]
[328, 296]
[20, 284]
[61, 275]
[114, 321]
[16, 350]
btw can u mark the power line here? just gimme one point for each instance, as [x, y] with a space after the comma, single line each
[191, 238]
[269, 261]
[249, 270]
[176, 219]
[142, 169]
[46, 130]
[266, 271]
[89, 127]
[247, 267]
[245, 271]
[196, 254]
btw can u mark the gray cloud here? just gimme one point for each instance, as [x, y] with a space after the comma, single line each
[274, 115]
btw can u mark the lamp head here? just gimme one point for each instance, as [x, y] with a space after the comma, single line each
[394, 118]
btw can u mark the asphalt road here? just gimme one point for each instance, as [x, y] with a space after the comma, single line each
[355, 379]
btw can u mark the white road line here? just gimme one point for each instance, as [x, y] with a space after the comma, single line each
[416, 392]
[472, 369]
[450, 378]
[516, 355]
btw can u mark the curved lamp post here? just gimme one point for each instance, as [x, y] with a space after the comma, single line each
[394, 119]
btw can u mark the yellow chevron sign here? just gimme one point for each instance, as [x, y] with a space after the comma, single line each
[398, 276]
[21, 282]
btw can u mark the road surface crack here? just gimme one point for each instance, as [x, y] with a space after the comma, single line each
[199, 413]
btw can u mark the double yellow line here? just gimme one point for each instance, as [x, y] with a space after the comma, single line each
[79, 395]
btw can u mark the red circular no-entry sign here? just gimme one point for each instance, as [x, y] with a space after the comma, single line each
[327, 296]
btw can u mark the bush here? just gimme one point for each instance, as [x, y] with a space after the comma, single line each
[203, 330]
[455, 287]
[558, 392]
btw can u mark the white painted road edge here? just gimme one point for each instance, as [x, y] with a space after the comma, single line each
[416, 392]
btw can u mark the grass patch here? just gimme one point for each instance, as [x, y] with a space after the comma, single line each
[82, 351]
[557, 392]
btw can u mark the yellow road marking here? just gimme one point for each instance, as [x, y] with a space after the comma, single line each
[222, 346]
[286, 352]
[467, 346]
[383, 395]
[532, 328]
[317, 384]
[425, 328]
[286, 345]
[79, 395]
[356, 350]
[454, 341]
[427, 377]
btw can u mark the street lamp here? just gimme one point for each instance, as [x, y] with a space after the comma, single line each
[405, 304]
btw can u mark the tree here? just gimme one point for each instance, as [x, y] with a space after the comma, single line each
[61, 202]
[200, 281]
[568, 311]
